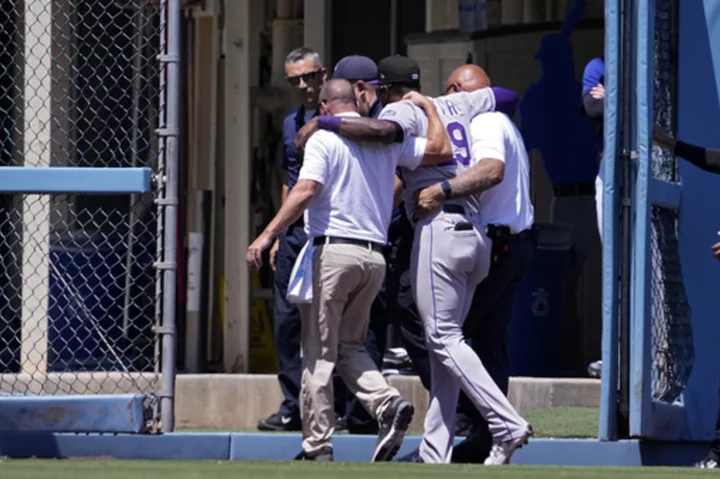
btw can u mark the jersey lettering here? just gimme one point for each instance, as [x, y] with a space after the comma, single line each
[461, 146]
[451, 108]
[455, 113]
[446, 107]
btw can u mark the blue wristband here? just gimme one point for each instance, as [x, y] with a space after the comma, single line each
[329, 122]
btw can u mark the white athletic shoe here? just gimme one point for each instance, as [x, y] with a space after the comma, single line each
[501, 452]
[707, 463]
[595, 369]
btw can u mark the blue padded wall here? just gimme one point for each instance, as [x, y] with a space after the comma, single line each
[699, 122]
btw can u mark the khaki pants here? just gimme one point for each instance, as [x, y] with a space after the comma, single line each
[346, 280]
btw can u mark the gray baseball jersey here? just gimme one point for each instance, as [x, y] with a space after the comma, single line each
[446, 266]
[456, 112]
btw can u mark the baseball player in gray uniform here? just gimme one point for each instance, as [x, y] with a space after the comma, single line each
[451, 255]
[499, 176]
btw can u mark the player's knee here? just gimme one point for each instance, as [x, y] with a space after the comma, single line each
[433, 340]
[438, 338]
[349, 350]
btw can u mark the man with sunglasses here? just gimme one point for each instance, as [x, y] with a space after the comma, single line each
[306, 75]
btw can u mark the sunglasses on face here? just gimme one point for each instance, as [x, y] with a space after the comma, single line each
[306, 77]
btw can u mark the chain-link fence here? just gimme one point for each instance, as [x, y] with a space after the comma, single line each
[83, 83]
[671, 330]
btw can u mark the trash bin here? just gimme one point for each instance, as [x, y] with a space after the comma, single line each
[536, 333]
[86, 302]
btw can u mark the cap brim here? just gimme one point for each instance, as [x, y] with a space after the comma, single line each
[353, 80]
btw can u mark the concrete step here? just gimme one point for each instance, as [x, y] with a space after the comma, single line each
[238, 401]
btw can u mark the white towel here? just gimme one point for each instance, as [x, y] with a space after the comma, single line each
[300, 285]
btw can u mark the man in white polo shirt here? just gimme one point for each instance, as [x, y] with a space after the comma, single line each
[498, 153]
[348, 190]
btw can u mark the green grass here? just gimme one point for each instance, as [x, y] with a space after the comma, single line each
[565, 422]
[89, 469]
[558, 422]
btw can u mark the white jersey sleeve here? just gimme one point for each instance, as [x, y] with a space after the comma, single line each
[412, 151]
[478, 101]
[317, 154]
[488, 137]
[404, 113]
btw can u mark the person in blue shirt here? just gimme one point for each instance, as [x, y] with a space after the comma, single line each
[593, 90]
[593, 101]
[306, 75]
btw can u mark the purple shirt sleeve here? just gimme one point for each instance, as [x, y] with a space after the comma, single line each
[506, 101]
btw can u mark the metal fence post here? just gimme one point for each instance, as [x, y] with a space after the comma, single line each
[171, 60]
[83, 266]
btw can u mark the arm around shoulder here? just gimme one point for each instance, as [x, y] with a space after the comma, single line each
[362, 128]
[438, 148]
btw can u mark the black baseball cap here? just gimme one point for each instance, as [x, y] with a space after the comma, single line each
[399, 70]
[356, 67]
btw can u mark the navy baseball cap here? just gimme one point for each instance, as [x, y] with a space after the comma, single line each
[399, 70]
[356, 67]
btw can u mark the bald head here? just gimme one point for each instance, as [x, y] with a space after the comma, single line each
[338, 96]
[468, 78]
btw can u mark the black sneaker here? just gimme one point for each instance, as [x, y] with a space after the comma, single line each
[280, 423]
[397, 361]
[341, 425]
[393, 425]
[463, 426]
[470, 451]
[325, 455]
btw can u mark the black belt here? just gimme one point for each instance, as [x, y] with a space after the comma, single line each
[523, 235]
[321, 240]
[456, 209]
[500, 232]
[503, 230]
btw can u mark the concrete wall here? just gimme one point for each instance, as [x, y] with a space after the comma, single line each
[238, 402]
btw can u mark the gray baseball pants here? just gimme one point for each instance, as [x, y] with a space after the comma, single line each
[447, 264]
